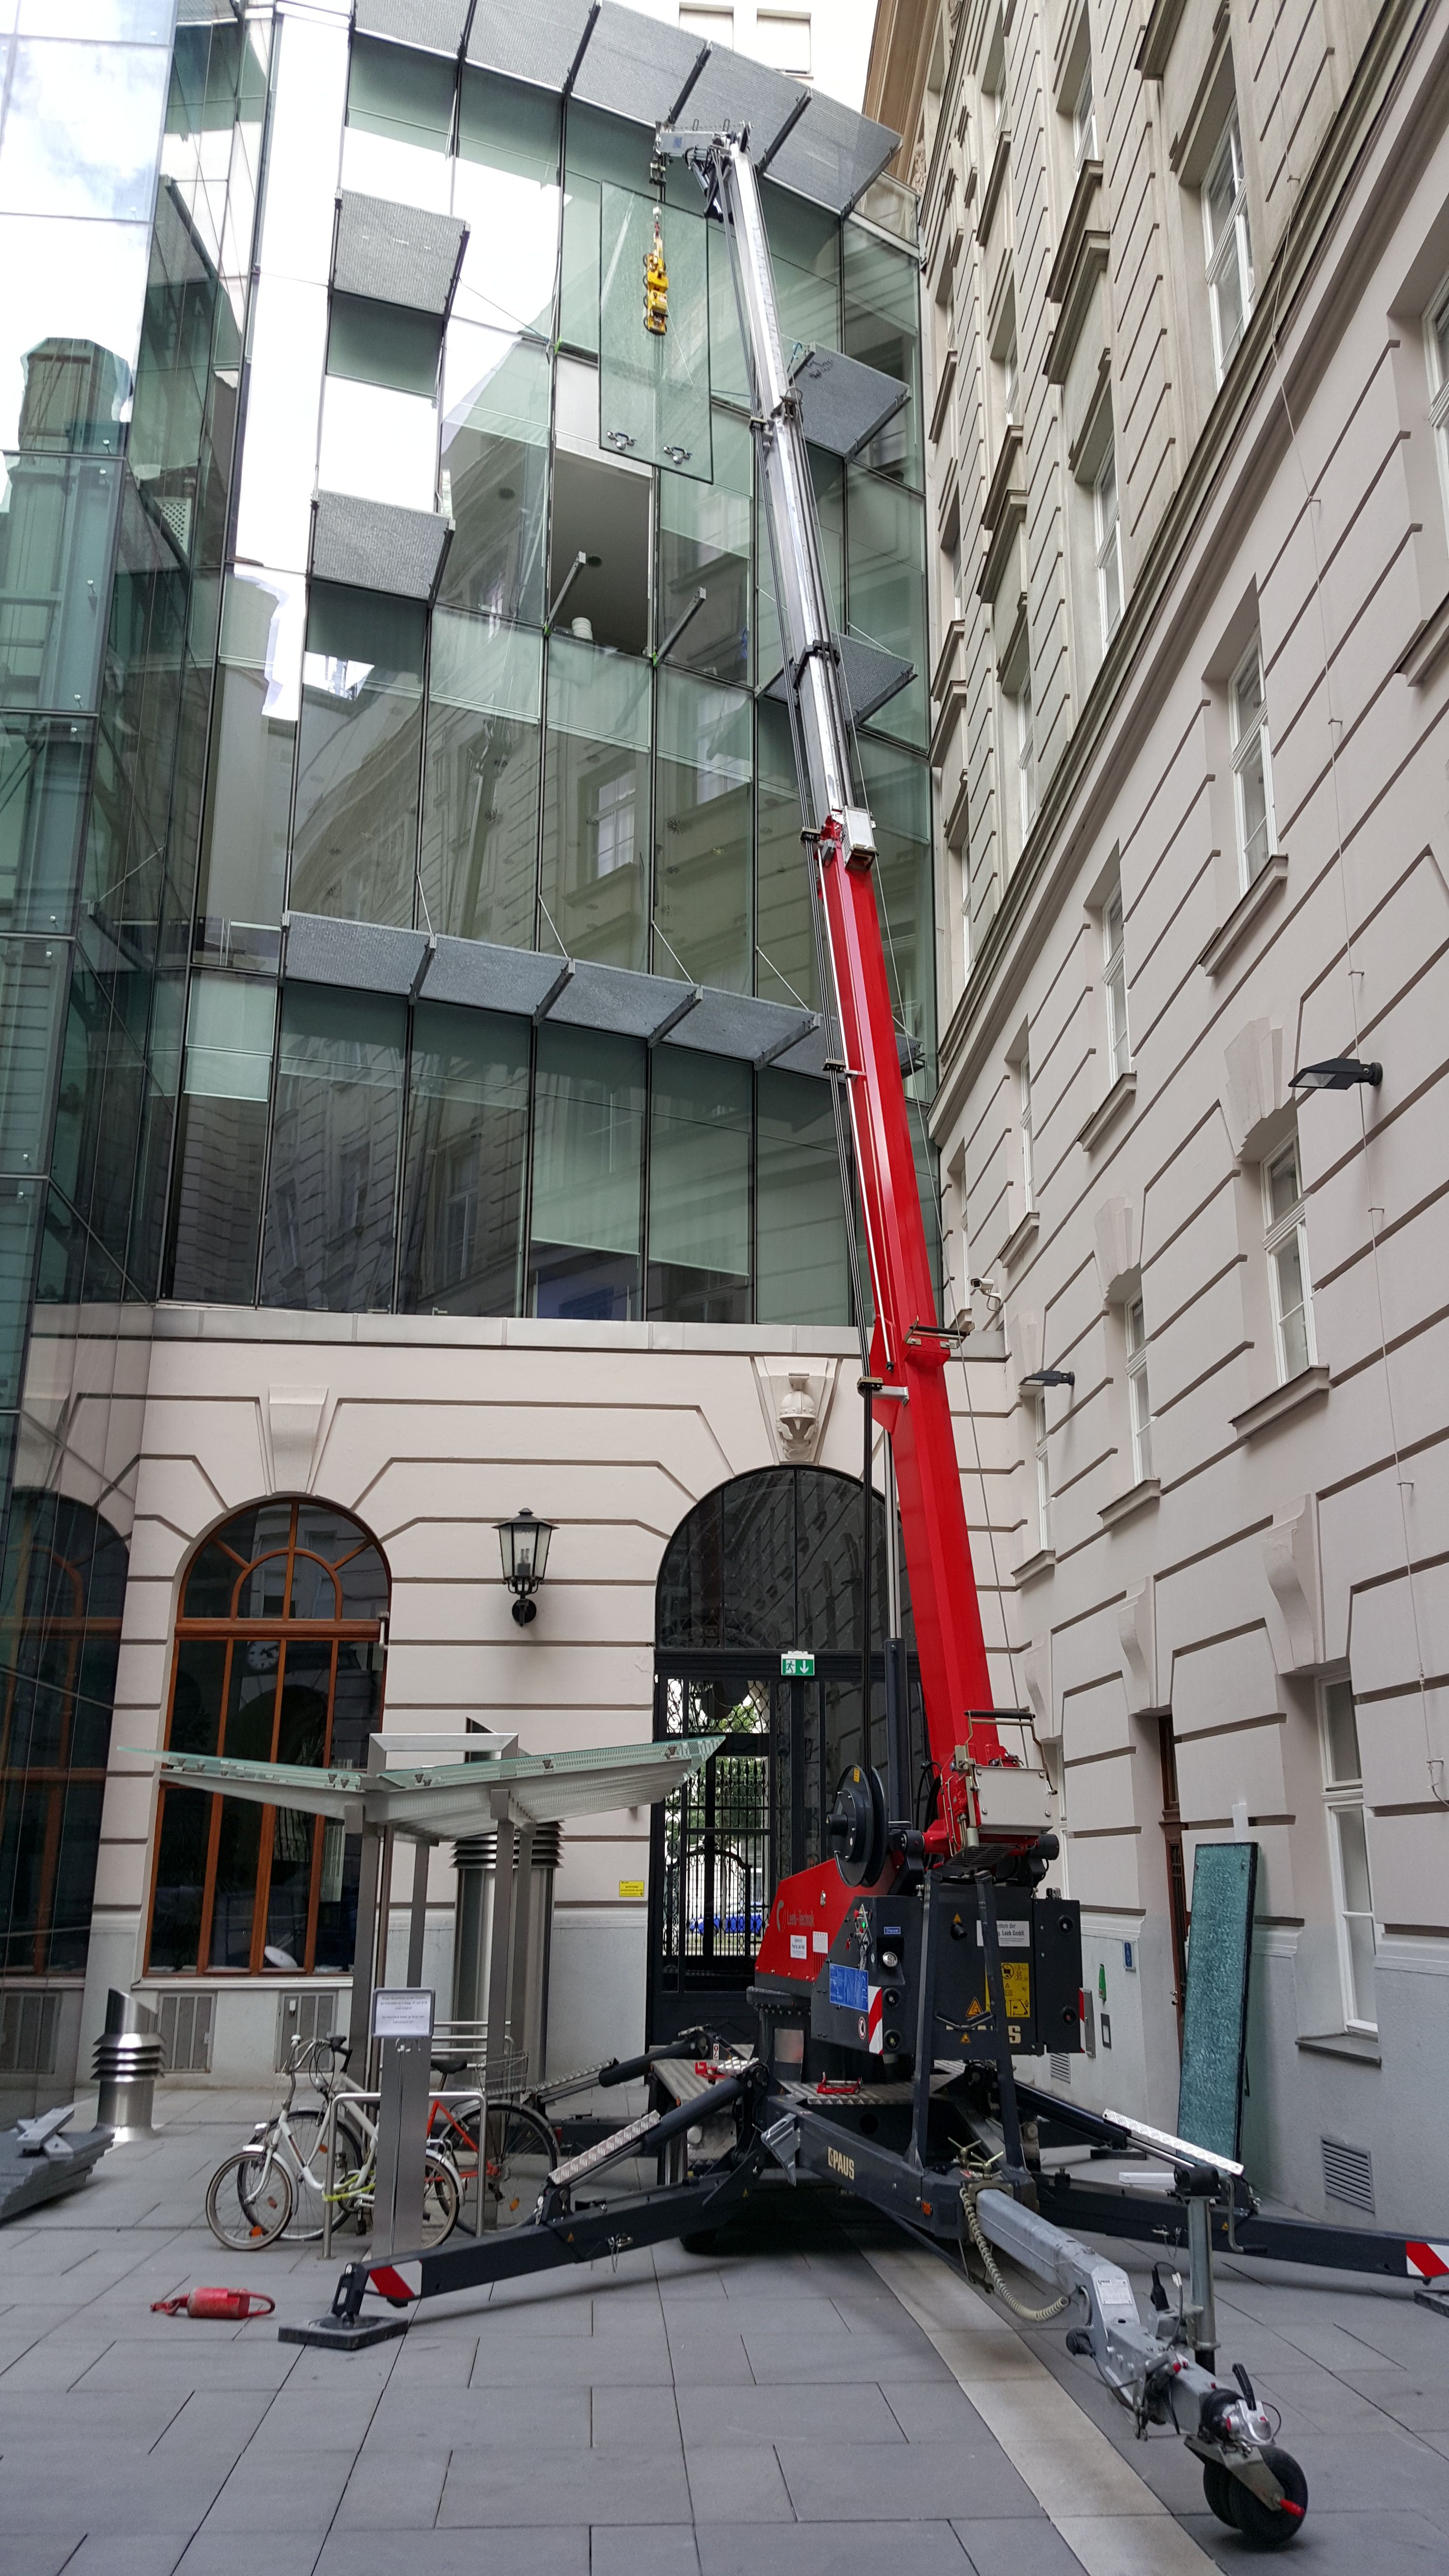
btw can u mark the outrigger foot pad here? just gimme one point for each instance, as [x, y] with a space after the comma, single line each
[344, 2328]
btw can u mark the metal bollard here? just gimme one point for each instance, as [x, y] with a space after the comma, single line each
[128, 2057]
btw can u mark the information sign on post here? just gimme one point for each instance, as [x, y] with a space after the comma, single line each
[402, 2021]
[797, 1666]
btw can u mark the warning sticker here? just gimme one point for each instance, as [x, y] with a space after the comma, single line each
[849, 1987]
[797, 1945]
[1016, 1988]
[821, 1942]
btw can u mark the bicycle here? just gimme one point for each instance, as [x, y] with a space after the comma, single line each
[255, 2195]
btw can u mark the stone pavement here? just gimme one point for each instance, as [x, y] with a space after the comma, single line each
[808, 2399]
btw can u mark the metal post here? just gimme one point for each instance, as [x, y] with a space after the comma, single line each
[518, 1976]
[500, 1941]
[1200, 2280]
[359, 2019]
[380, 1935]
[402, 2120]
[996, 2006]
[925, 2023]
[418, 1919]
[897, 1751]
[867, 1498]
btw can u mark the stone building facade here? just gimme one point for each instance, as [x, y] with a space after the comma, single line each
[1187, 480]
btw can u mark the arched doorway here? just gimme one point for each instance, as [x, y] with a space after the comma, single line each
[279, 1654]
[765, 1565]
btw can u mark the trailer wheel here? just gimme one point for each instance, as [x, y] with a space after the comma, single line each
[702, 2243]
[1269, 2526]
[1217, 2486]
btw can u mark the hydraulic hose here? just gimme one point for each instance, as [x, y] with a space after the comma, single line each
[1018, 2307]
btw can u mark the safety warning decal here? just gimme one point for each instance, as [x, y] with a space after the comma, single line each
[849, 1988]
[797, 1945]
[1431, 2262]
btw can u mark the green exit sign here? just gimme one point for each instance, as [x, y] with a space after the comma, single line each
[797, 1667]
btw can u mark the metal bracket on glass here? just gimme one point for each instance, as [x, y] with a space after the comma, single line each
[621, 439]
[570, 577]
[677, 629]
[692, 997]
[566, 968]
[424, 962]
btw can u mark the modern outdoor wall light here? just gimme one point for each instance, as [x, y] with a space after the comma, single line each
[524, 1544]
[1336, 1073]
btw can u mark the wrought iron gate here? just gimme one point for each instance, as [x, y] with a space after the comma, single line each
[714, 1868]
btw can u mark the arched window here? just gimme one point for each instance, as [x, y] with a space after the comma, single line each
[279, 1658]
[61, 1598]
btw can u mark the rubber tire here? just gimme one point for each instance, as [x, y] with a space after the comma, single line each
[1217, 2485]
[704, 2242]
[519, 2151]
[442, 2201]
[263, 2226]
[1265, 2526]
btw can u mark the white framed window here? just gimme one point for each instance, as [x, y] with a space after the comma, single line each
[1286, 1239]
[1108, 524]
[782, 39]
[1437, 336]
[1348, 1854]
[712, 26]
[1041, 1469]
[1229, 250]
[1025, 757]
[1114, 986]
[1252, 766]
[1139, 1402]
[1028, 1167]
[1084, 121]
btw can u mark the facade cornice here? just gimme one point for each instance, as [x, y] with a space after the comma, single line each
[1306, 1388]
[1228, 938]
[1108, 1111]
[1157, 36]
[995, 182]
[1081, 260]
[942, 403]
[1253, 385]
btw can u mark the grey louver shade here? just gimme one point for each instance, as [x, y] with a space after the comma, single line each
[369, 545]
[535, 43]
[431, 26]
[732, 90]
[635, 66]
[833, 154]
[361, 956]
[871, 676]
[843, 403]
[397, 254]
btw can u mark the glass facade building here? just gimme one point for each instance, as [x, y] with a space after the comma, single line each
[402, 905]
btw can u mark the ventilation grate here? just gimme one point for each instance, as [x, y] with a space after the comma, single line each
[1061, 2069]
[185, 2023]
[28, 2026]
[1348, 2174]
[305, 2016]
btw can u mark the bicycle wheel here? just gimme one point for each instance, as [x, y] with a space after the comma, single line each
[519, 2153]
[304, 2141]
[249, 2200]
[441, 2199]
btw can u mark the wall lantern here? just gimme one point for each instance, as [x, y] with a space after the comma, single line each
[524, 1544]
[1050, 1377]
[1336, 1073]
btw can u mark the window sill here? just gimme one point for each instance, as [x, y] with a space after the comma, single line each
[1361, 2047]
[1305, 1388]
[1226, 940]
[1031, 1566]
[1022, 1240]
[1426, 647]
[1136, 1499]
[1120, 1097]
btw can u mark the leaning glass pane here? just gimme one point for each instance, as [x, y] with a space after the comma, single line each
[654, 334]
[801, 1272]
[886, 536]
[249, 792]
[496, 391]
[595, 869]
[784, 926]
[702, 826]
[898, 792]
[805, 247]
[699, 1189]
[882, 329]
[328, 1241]
[466, 1156]
[354, 849]
[480, 805]
[704, 544]
[588, 1152]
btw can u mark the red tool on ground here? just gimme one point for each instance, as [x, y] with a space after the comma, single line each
[231, 2307]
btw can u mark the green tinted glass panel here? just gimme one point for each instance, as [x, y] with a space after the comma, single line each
[784, 926]
[898, 792]
[882, 329]
[495, 459]
[699, 1189]
[887, 591]
[383, 344]
[393, 91]
[595, 871]
[702, 824]
[802, 1274]
[464, 1171]
[705, 544]
[480, 809]
[588, 1152]
[653, 384]
[1215, 2004]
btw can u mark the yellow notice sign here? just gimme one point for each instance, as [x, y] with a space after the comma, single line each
[1016, 1988]
[631, 1887]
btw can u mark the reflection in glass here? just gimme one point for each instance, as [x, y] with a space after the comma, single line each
[383, 344]
[588, 1152]
[81, 127]
[354, 848]
[44, 771]
[249, 791]
[805, 249]
[221, 1140]
[704, 543]
[59, 495]
[495, 464]
[828, 477]
[480, 808]
[288, 329]
[654, 384]
[699, 1189]
[467, 1147]
[785, 967]
[886, 533]
[69, 281]
[328, 1240]
[393, 91]
[703, 833]
[596, 803]
[802, 1272]
[898, 792]
[379, 444]
[579, 270]
[506, 188]
[308, 101]
[882, 329]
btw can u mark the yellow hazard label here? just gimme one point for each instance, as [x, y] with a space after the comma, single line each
[635, 1887]
[1016, 1988]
